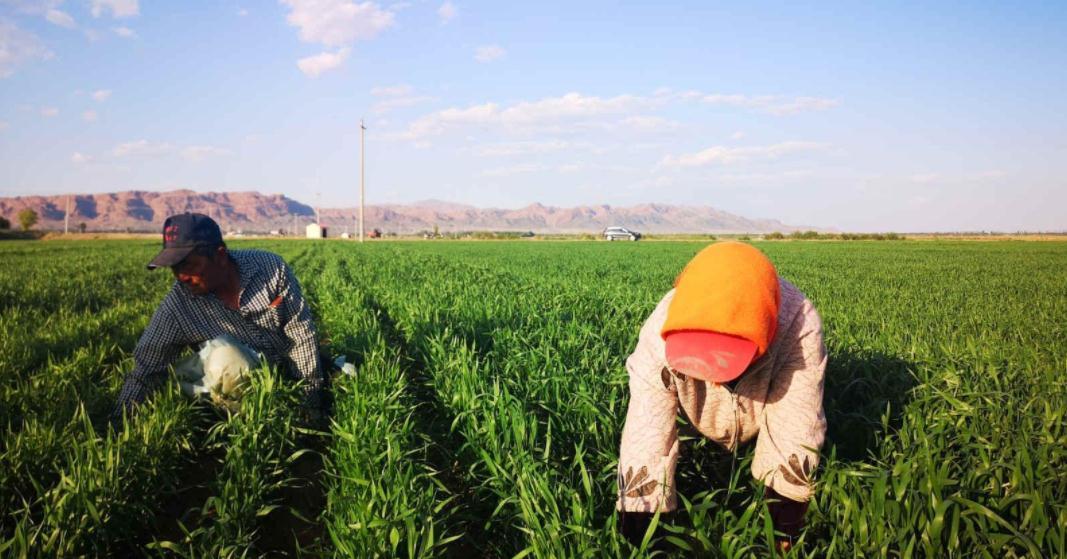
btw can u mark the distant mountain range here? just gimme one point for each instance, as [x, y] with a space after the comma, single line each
[255, 212]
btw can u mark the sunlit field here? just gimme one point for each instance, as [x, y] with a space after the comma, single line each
[485, 414]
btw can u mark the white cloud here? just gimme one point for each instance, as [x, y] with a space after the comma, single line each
[649, 123]
[723, 155]
[436, 123]
[552, 114]
[519, 169]
[80, 158]
[89, 116]
[17, 47]
[337, 23]
[124, 32]
[924, 178]
[573, 108]
[32, 7]
[101, 95]
[446, 12]
[765, 177]
[400, 90]
[118, 8]
[145, 148]
[771, 104]
[389, 104]
[313, 66]
[198, 153]
[395, 97]
[507, 149]
[571, 105]
[918, 201]
[931, 178]
[574, 113]
[242, 12]
[142, 148]
[489, 53]
[49, 112]
[669, 94]
[60, 18]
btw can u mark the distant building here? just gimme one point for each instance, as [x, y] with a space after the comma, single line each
[316, 231]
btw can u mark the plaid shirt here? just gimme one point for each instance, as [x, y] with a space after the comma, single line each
[273, 318]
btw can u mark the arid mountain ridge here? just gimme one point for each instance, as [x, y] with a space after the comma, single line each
[253, 212]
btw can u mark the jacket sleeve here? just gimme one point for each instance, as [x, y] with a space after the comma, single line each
[159, 345]
[793, 426]
[649, 452]
[303, 353]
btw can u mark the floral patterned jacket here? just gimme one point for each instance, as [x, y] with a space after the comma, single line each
[777, 401]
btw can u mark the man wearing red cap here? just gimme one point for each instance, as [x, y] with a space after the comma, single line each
[740, 351]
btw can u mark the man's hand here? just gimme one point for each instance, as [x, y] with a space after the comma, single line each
[787, 516]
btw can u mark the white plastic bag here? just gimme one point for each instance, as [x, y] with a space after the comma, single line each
[345, 367]
[219, 370]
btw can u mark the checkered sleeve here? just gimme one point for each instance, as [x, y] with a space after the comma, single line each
[159, 345]
[303, 353]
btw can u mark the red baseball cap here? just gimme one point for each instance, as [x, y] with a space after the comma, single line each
[710, 356]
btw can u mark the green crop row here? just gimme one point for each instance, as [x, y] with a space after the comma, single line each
[257, 445]
[107, 486]
[385, 497]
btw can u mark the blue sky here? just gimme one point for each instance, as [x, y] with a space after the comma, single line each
[894, 116]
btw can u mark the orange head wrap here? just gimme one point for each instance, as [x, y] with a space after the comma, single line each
[728, 288]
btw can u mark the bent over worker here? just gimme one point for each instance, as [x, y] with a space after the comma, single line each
[247, 296]
[740, 351]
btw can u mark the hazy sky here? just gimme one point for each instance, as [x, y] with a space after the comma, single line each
[898, 116]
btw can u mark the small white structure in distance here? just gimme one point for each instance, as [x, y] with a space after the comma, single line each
[316, 231]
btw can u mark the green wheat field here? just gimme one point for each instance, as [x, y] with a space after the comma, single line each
[485, 416]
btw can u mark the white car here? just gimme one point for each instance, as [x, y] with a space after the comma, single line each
[620, 234]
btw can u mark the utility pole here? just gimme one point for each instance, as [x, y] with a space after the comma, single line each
[66, 217]
[362, 129]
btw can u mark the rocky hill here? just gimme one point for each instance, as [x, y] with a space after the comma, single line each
[256, 212]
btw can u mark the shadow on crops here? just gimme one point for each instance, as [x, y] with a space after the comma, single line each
[861, 388]
[445, 453]
[289, 530]
[293, 529]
